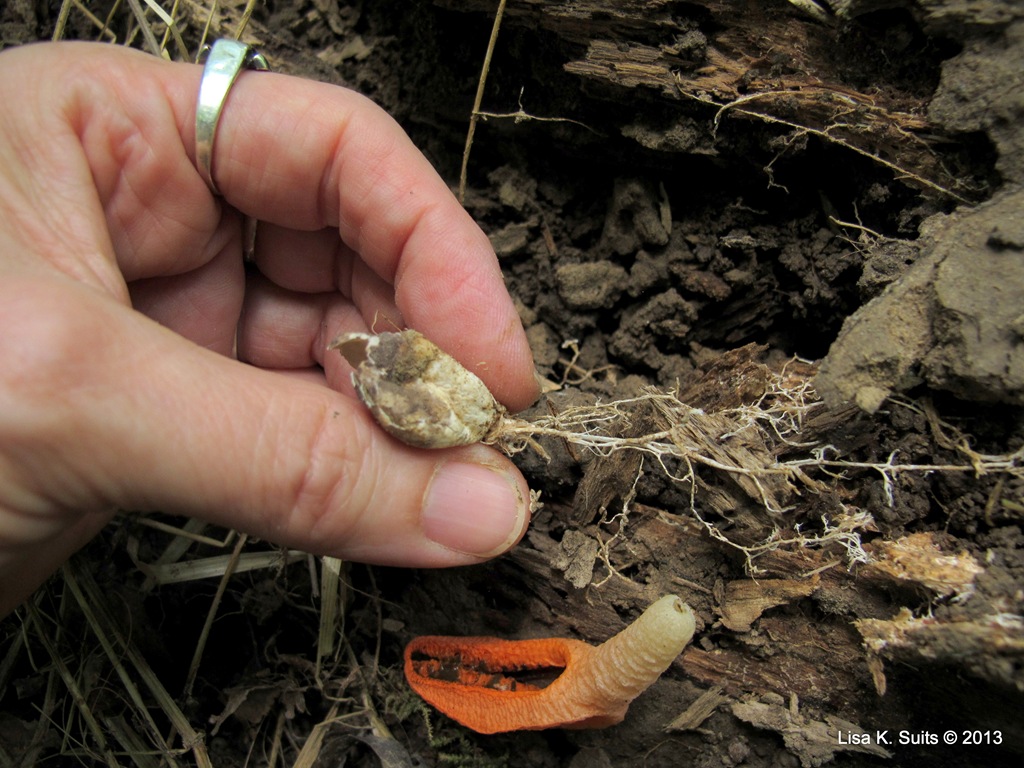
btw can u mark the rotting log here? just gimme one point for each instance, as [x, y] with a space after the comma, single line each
[768, 60]
[813, 636]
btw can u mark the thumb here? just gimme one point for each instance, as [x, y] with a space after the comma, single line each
[113, 409]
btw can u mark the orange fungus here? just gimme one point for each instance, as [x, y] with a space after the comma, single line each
[492, 685]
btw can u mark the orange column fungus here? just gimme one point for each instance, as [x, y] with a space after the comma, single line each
[493, 685]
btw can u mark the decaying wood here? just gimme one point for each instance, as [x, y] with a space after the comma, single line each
[699, 711]
[814, 742]
[821, 663]
[746, 600]
[918, 560]
[811, 626]
[991, 646]
[609, 479]
[767, 60]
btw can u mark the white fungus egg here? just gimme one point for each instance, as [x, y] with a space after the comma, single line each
[416, 392]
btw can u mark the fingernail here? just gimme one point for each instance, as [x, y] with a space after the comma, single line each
[473, 509]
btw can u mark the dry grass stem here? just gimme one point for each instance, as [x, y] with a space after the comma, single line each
[62, 20]
[162, 26]
[152, 44]
[119, 649]
[250, 6]
[48, 634]
[190, 532]
[478, 99]
[210, 567]
[211, 614]
[314, 742]
[332, 616]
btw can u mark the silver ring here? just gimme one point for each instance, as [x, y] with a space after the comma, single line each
[225, 59]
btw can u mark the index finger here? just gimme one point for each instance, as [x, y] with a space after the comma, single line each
[307, 155]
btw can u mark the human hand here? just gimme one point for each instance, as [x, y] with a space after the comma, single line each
[124, 303]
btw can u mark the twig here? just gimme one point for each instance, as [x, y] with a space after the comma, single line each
[147, 32]
[211, 614]
[71, 682]
[475, 115]
[62, 20]
[331, 611]
[244, 21]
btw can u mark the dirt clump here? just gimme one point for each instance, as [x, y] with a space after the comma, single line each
[953, 320]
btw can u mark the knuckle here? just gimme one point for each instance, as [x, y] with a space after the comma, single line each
[50, 380]
[47, 358]
[335, 486]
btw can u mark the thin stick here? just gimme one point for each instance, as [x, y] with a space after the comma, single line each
[331, 614]
[187, 532]
[71, 683]
[141, 716]
[147, 33]
[191, 740]
[206, 30]
[62, 20]
[96, 22]
[171, 32]
[197, 656]
[475, 116]
[110, 17]
[244, 21]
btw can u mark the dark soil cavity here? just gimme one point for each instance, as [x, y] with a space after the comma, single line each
[742, 203]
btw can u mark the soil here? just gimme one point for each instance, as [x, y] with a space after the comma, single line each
[807, 220]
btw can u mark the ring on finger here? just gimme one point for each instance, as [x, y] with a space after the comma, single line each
[225, 60]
